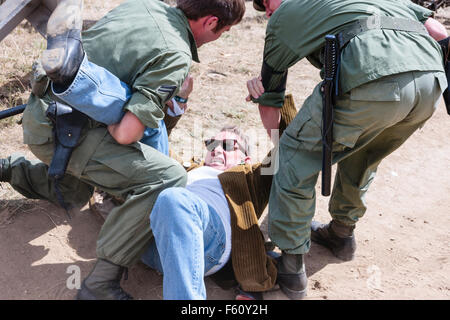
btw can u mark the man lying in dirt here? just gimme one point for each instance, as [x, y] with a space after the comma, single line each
[211, 205]
[198, 228]
[152, 55]
[213, 221]
[221, 203]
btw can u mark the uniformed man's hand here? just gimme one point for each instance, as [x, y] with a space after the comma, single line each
[255, 88]
[186, 87]
[185, 91]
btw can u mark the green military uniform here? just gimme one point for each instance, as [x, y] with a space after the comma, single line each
[149, 46]
[390, 82]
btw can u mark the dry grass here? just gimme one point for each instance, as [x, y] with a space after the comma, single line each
[23, 46]
[17, 52]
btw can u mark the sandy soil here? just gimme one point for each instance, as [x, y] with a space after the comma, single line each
[403, 240]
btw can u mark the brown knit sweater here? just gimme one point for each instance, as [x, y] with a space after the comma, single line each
[247, 193]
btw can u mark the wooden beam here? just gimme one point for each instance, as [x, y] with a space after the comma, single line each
[12, 12]
[39, 17]
[37, 12]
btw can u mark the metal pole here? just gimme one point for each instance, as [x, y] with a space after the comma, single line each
[12, 111]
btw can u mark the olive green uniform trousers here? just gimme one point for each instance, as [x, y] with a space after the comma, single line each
[370, 122]
[135, 172]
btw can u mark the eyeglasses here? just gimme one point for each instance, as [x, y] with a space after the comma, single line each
[227, 145]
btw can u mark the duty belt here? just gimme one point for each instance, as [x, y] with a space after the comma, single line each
[378, 22]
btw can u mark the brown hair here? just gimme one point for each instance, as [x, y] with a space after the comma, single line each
[244, 138]
[229, 12]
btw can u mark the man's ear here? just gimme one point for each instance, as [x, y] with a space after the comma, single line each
[210, 22]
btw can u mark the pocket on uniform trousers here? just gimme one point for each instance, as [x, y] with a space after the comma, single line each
[37, 128]
[303, 131]
[376, 91]
[351, 112]
[345, 136]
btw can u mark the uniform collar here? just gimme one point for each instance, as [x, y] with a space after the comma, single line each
[193, 44]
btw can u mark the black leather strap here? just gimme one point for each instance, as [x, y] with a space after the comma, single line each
[67, 126]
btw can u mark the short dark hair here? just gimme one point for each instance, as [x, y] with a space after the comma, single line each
[229, 12]
[244, 138]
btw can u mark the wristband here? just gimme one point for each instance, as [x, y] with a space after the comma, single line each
[177, 111]
[180, 99]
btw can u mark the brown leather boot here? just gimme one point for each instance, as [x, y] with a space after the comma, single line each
[337, 237]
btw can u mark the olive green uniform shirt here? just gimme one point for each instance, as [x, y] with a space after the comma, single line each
[148, 45]
[298, 28]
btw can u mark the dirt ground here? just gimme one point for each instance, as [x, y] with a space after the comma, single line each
[403, 240]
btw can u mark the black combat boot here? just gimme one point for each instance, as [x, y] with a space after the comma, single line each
[5, 171]
[103, 283]
[337, 237]
[291, 275]
[64, 53]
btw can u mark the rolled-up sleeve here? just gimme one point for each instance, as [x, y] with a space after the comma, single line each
[277, 59]
[157, 83]
[421, 13]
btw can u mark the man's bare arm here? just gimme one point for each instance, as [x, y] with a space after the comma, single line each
[270, 117]
[129, 130]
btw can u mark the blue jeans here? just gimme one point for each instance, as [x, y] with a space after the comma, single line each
[157, 138]
[97, 93]
[189, 240]
[101, 95]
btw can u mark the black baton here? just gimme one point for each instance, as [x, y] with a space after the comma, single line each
[329, 92]
[12, 111]
[445, 50]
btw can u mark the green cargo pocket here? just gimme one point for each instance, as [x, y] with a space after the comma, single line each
[304, 131]
[34, 139]
[350, 115]
[345, 137]
[37, 128]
